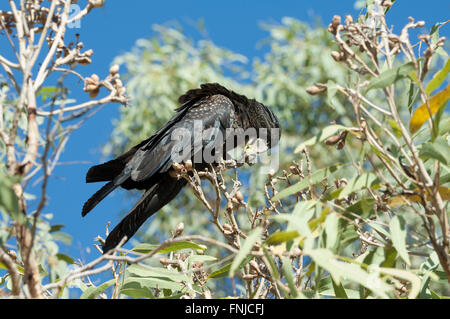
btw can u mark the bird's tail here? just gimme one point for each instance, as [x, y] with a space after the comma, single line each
[153, 200]
[97, 197]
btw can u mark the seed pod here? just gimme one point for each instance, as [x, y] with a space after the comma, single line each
[165, 261]
[12, 254]
[296, 251]
[114, 69]
[188, 165]
[95, 77]
[89, 53]
[198, 264]
[239, 196]
[179, 230]
[97, 3]
[342, 182]
[420, 24]
[336, 21]
[93, 94]
[293, 169]
[313, 90]
[228, 230]
[332, 140]
[394, 38]
[84, 61]
[352, 29]
[348, 19]
[177, 167]
[90, 87]
[255, 266]
[336, 56]
[341, 144]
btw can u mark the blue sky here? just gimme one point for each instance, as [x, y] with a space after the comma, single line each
[113, 30]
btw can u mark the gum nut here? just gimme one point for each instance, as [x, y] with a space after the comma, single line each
[89, 53]
[180, 228]
[188, 165]
[91, 87]
[239, 196]
[84, 61]
[97, 3]
[177, 166]
[93, 94]
[114, 69]
[95, 77]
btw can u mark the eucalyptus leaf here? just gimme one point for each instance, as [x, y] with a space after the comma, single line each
[397, 228]
[253, 237]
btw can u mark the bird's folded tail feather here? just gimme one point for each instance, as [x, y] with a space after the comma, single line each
[153, 200]
[97, 197]
[104, 172]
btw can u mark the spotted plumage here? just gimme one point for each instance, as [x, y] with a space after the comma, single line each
[147, 165]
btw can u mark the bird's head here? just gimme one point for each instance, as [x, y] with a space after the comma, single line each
[262, 117]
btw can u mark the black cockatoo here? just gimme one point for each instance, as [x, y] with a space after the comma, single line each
[147, 166]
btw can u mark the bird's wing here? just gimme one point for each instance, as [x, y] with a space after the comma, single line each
[209, 115]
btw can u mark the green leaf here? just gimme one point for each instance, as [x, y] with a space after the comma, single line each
[65, 258]
[134, 289]
[93, 292]
[48, 92]
[340, 270]
[332, 230]
[287, 271]
[379, 228]
[390, 76]
[438, 150]
[315, 178]
[299, 218]
[362, 207]
[140, 283]
[438, 78]
[225, 270]
[272, 265]
[339, 290]
[246, 247]
[182, 245]
[156, 272]
[55, 228]
[144, 248]
[63, 237]
[281, 237]
[397, 229]
[8, 199]
[397, 130]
